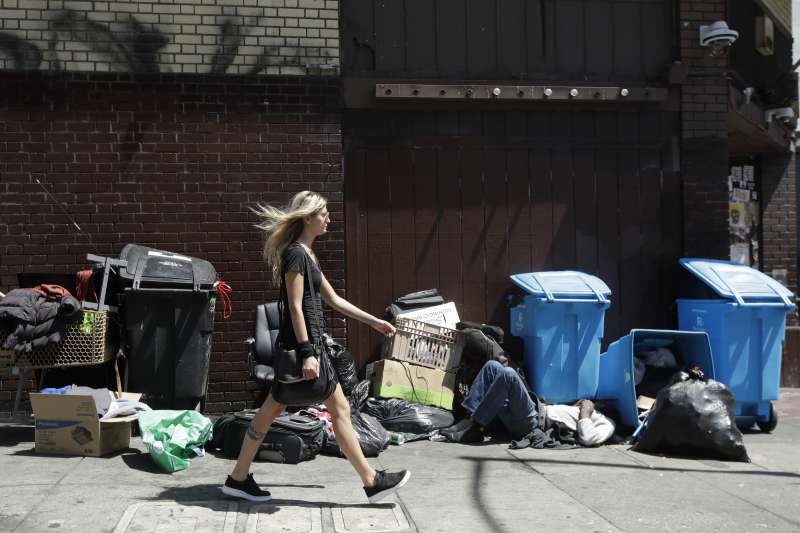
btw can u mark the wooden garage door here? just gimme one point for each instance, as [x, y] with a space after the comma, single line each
[462, 212]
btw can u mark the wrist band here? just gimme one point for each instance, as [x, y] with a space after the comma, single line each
[305, 349]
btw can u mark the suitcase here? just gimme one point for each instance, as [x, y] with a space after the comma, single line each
[291, 439]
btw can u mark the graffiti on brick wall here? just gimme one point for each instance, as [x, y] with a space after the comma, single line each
[27, 56]
[72, 40]
[137, 47]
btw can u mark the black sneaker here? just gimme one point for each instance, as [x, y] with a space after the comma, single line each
[247, 489]
[460, 426]
[386, 483]
[470, 434]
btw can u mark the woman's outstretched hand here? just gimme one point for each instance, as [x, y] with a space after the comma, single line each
[381, 326]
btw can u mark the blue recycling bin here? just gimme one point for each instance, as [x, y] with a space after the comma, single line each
[617, 384]
[746, 326]
[561, 323]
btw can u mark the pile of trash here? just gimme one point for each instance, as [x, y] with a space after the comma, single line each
[412, 393]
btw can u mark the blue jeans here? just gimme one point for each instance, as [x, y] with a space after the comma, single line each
[498, 391]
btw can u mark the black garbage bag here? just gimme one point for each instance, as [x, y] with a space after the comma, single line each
[359, 395]
[372, 436]
[694, 417]
[407, 417]
[344, 365]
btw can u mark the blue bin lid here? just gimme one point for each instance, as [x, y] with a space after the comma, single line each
[563, 285]
[738, 282]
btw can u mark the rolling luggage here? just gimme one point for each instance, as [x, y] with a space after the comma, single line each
[291, 439]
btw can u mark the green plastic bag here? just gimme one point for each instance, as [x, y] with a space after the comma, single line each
[87, 323]
[174, 437]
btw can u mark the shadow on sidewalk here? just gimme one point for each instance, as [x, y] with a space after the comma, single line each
[139, 460]
[495, 524]
[12, 435]
[209, 495]
[531, 463]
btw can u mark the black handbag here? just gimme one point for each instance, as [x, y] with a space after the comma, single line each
[288, 366]
[305, 391]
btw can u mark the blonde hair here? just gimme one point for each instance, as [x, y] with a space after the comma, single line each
[284, 226]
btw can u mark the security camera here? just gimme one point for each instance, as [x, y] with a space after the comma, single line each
[718, 37]
[784, 114]
[748, 94]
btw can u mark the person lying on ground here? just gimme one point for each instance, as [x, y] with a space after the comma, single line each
[290, 235]
[499, 392]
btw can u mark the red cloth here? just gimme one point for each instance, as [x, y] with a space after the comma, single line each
[51, 292]
[84, 288]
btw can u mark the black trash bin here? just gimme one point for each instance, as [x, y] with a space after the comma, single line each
[167, 309]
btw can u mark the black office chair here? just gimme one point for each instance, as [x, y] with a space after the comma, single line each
[262, 346]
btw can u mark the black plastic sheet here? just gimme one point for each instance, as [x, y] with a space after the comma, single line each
[372, 437]
[406, 417]
[344, 366]
[359, 395]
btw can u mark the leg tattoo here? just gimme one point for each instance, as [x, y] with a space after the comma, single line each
[253, 433]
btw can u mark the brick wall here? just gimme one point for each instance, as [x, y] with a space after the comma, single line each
[704, 146]
[779, 216]
[171, 161]
[182, 36]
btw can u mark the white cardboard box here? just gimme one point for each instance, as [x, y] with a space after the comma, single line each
[439, 315]
[67, 424]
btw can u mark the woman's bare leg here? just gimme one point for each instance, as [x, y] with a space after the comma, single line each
[346, 437]
[256, 432]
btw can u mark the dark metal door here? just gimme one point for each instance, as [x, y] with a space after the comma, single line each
[589, 191]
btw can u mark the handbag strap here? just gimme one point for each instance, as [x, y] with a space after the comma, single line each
[314, 301]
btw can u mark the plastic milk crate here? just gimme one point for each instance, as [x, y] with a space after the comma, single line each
[424, 344]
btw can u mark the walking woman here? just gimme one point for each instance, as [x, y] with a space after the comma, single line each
[290, 235]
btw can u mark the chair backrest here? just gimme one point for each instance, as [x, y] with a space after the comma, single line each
[268, 323]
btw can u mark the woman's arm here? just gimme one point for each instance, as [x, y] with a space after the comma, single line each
[346, 308]
[294, 292]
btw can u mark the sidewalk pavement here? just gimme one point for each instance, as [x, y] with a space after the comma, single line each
[458, 488]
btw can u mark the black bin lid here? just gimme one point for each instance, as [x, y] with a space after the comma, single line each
[163, 269]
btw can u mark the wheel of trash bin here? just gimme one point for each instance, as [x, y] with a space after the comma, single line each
[769, 425]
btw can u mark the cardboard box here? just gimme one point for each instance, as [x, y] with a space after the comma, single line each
[644, 403]
[67, 424]
[438, 315]
[395, 379]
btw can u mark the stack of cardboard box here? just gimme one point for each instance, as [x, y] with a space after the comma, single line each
[420, 361]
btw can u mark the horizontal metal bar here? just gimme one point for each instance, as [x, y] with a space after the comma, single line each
[96, 307]
[422, 91]
[165, 289]
[766, 304]
[578, 300]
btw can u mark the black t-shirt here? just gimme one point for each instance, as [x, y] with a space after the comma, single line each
[294, 260]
